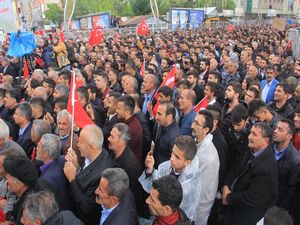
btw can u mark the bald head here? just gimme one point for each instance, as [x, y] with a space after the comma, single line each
[40, 92]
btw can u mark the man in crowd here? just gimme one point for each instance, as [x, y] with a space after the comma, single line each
[115, 198]
[84, 183]
[251, 187]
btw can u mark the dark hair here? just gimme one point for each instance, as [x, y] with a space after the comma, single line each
[297, 110]
[255, 106]
[237, 88]
[266, 130]
[83, 93]
[65, 74]
[131, 64]
[93, 89]
[129, 103]
[290, 124]
[114, 94]
[277, 216]
[169, 191]
[271, 67]
[50, 82]
[170, 109]
[216, 75]
[206, 61]
[212, 86]
[166, 91]
[187, 145]
[193, 73]
[2, 92]
[215, 111]
[285, 86]
[239, 113]
[209, 119]
[254, 90]
[34, 84]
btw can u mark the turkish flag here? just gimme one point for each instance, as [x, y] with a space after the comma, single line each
[61, 34]
[168, 81]
[25, 71]
[96, 36]
[39, 32]
[142, 71]
[142, 29]
[40, 62]
[201, 105]
[81, 119]
[289, 45]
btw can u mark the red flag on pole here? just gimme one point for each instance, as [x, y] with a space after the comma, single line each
[230, 28]
[40, 62]
[168, 81]
[25, 71]
[142, 71]
[96, 36]
[81, 119]
[142, 29]
[61, 34]
[201, 105]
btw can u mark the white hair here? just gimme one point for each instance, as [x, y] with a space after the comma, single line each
[4, 130]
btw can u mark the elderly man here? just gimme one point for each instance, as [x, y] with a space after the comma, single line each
[251, 187]
[5, 142]
[48, 151]
[116, 199]
[42, 208]
[84, 183]
[7, 68]
[22, 178]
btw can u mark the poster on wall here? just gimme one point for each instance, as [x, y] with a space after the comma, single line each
[7, 21]
[196, 18]
[184, 18]
[74, 25]
[101, 20]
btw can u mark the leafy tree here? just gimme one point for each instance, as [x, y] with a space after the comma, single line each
[54, 13]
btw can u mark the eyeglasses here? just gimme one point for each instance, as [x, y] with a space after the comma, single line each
[198, 124]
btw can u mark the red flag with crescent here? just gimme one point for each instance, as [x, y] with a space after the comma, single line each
[143, 28]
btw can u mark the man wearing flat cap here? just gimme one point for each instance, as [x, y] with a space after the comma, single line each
[22, 179]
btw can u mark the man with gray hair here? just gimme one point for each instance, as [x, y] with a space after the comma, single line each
[38, 75]
[48, 152]
[84, 180]
[233, 75]
[60, 90]
[118, 142]
[7, 68]
[116, 199]
[5, 142]
[41, 208]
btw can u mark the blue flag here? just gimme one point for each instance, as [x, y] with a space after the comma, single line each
[21, 44]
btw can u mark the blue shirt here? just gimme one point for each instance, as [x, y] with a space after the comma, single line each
[186, 123]
[266, 90]
[279, 154]
[106, 213]
[22, 130]
[258, 153]
[147, 100]
[43, 167]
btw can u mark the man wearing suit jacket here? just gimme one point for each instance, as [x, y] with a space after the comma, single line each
[116, 199]
[268, 85]
[48, 151]
[7, 68]
[112, 118]
[84, 180]
[251, 187]
[22, 117]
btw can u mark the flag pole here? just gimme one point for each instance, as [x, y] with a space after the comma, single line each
[73, 107]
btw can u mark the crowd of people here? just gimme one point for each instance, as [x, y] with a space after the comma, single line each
[149, 157]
